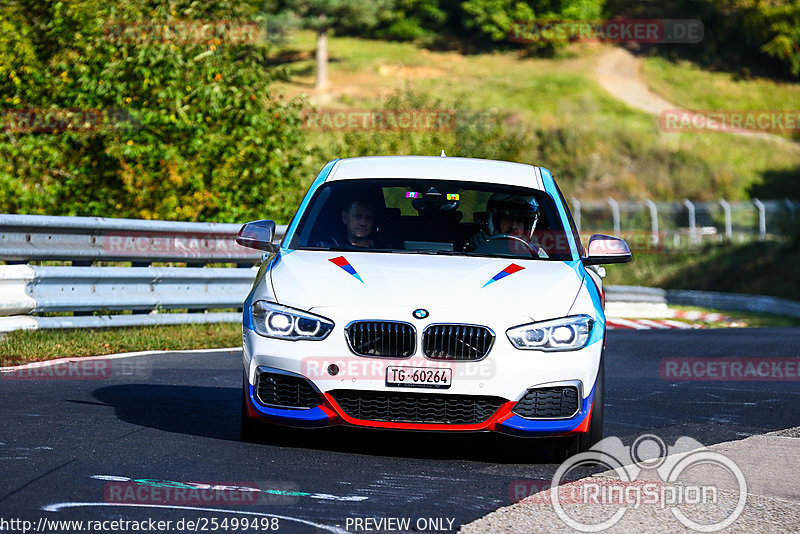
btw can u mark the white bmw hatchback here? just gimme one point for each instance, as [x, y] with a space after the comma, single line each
[429, 293]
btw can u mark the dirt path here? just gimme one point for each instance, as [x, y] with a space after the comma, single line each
[619, 72]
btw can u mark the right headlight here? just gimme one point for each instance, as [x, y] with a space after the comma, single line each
[274, 320]
[566, 333]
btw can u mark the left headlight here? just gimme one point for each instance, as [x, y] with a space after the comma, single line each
[567, 333]
[274, 320]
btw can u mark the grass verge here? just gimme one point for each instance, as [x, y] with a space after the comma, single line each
[23, 346]
[595, 145]
[679, 81]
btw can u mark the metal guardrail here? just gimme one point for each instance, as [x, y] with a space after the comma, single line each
[87, 239]
[81, 288]
[84, 289]
[34, 289]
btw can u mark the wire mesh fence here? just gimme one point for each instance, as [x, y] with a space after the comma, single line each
[683, 224]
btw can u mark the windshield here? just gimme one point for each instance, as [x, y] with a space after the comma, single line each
[432, 217]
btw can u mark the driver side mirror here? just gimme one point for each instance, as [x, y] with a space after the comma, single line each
[258, 235]
[606, 249]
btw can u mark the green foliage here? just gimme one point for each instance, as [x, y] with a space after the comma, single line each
[334, 15]
[413, 19]
[473, 133]
[494, 18]
[741, 36]
[775, 27]
[190, 129]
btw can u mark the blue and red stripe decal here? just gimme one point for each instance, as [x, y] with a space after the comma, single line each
[341, 261]
[511, 269]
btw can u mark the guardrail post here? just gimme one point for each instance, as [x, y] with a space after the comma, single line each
[615, 214]
[653, 220]
[576, 212]
[762, 219]
[692, 220]
[726, 208]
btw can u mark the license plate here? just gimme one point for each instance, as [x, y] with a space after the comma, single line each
[419, 377]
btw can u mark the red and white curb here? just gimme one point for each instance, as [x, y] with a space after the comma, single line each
[701, 316]
[698, 319]
[649, 324]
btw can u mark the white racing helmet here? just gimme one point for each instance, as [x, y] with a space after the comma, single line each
[517, 206]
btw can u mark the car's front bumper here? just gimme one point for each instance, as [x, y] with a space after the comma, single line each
[506, 372]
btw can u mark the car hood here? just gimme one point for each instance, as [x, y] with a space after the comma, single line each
[315, 279]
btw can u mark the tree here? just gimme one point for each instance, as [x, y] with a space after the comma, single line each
[324, 16]
[178, 120]
[774, 25]
[494, 18]
[413, 19]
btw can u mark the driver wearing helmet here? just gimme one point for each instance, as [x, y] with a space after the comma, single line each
[510, 215]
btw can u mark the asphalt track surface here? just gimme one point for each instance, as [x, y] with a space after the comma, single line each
[175, 417]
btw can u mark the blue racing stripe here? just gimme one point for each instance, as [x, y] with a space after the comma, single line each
[599, 315]
[312, 417]
[519, 426]
[550, 187]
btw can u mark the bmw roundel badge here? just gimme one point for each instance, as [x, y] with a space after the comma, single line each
[421, 313]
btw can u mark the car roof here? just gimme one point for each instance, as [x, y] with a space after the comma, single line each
[436, 167]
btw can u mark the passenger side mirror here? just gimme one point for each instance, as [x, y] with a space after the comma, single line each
[258, 235]
[606, 249]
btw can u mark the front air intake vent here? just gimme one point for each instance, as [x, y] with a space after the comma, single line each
[388, 339]
[403, 407]
[548, 403]
[456, 342]
[285, 391]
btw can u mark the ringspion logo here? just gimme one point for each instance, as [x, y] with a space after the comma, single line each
[619, 491]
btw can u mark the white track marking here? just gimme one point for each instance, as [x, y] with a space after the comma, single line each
[57, 507]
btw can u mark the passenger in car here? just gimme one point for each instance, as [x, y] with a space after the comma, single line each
[357, 230]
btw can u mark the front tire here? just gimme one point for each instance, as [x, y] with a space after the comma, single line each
[249, 430]
[584, 441]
